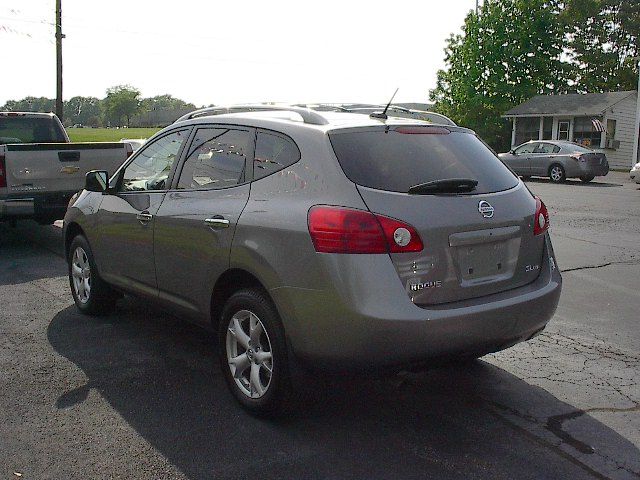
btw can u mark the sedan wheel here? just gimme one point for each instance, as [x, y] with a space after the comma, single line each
[249, 354]
[556, 172]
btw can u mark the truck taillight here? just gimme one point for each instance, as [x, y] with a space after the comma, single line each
[347, 230]
[541, 220]
[3, 171]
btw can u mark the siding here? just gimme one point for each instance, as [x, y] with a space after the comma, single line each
[624, 113]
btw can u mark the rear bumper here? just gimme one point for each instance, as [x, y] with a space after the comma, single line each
[17, 208]
[329, 331]
[49, 205]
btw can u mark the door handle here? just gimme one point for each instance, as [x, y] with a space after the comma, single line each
[217, 222]
[144, 217]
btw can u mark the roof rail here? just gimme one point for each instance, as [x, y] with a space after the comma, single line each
[308, 115]
[399, 111]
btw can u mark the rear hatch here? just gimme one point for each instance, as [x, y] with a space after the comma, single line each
[476, 242]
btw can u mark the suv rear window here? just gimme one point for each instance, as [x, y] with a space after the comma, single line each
[397, 158]
[25, 129]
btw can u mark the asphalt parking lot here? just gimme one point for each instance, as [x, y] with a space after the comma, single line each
[139, 395]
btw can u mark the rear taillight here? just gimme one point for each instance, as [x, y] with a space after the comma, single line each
[3, 171]
[346, 230]
[541, 220]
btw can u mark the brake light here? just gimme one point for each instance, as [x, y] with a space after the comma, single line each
[541, 220]
[346, 230]
[423, 130]
[3, 171]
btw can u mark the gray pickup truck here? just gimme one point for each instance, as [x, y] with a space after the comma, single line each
[40, 169]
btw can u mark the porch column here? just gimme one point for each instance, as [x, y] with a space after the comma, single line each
[513, 133]
[540, 130]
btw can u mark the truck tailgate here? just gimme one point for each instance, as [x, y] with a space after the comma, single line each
[58, 167]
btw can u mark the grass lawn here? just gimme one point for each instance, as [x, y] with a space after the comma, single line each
[108, 134]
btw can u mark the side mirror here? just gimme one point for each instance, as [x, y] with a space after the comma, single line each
[512, 152]
[96, 181]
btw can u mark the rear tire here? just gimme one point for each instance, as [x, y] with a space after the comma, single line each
[587, 179]
[253, 353]
[557, 173]
[91, 294]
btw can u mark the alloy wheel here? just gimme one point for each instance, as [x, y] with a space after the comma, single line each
[556, 174]
[81, 274]
[249, 354]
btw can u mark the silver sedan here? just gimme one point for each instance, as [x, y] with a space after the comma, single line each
[557, 160]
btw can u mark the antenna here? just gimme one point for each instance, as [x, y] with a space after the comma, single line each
[383, 115]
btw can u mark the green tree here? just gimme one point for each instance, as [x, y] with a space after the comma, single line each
[122, 101]
[30, 104]
[602, 41]
[507, 54]
[82, 110]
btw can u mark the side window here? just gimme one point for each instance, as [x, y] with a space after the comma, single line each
[546, 148]
[273, 153]
[526, 148]
[217, 159]
[151, 168]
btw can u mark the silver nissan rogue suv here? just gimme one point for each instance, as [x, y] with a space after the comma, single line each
[329, 240]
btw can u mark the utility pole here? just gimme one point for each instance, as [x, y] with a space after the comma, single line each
[59, 37]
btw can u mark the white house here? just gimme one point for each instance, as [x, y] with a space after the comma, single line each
[605, 122]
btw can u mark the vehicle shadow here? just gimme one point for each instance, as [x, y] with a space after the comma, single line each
[575, 182]
[471, 421]
[23, 250]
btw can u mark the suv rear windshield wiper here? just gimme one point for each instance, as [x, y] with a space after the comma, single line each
[446, 185]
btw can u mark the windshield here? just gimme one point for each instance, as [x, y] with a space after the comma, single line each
[26, 129]
[398, 158]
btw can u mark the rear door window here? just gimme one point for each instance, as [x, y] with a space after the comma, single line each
[397, 158]
[217, 158]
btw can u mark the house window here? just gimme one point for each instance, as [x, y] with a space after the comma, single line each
[587, 131]
[611, 129]
[563, 130]
[527, 128]
[547, 128]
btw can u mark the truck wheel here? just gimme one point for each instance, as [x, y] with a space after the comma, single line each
[91, 294]
[556, 173]
[253, 353]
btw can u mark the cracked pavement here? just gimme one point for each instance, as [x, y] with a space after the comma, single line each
[138, 394]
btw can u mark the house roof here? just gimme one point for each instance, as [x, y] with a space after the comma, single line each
[570, 104]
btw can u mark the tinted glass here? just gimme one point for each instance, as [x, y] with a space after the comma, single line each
[217, 159]
[396, 159]
[273, 153]
[151, 168]
[547, 148]
[30, 130]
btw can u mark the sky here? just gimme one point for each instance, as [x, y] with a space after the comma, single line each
[215, 52]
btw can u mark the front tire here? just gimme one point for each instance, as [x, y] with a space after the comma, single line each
[557, 173]
[91, 294]
[253, 352]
